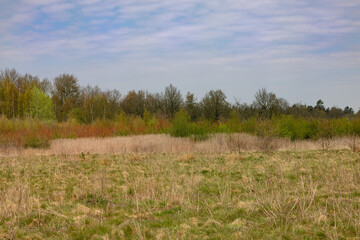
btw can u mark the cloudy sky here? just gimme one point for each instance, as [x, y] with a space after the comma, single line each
[303, 50]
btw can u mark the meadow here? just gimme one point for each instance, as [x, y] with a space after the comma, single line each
[160, 187]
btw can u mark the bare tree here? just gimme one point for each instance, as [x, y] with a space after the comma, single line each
[172, 100]
[65, 95]
[215, 105]
[267, 104]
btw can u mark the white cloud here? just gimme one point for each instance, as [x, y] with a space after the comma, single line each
[203, 38]
[57, 7]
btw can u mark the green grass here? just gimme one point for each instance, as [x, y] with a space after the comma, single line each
[282, 195]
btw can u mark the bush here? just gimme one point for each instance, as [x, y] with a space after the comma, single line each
[236, 142]
[340, 126]
[181, 125]
[354, 127]
[290, 127]
[5, 143]
[249, 125]
[267, 133]
[5, 124]
[234, 123]
[354, 134]
[353, 142]
[312, 130]
[326, 133]
[36, 142]
[41, 105]
[199, 131]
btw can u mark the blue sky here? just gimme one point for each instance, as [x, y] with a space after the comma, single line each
[301, 50]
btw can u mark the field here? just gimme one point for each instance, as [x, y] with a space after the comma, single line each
[163, 143]
[178, 194]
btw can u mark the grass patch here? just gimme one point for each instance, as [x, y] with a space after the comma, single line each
[282, 195]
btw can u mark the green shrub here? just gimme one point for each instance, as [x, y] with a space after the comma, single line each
[182, 126]
[290, 127]
[326, 129]
[312, 129]
[234, 123]
[354, 127]
[41, 105]
[199, 131]
[36, 142]
[223, 128]
[5, 124]
[249, 125]
[79, 115]
[341, 126]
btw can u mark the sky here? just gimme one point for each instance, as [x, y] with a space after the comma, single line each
[302, 50]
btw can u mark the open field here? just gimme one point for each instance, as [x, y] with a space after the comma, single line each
[282, 195]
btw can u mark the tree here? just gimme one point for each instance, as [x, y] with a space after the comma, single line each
[46, 86]
[319, 110]
[9, 92]
[244, 110]
[191, 106]
[9, 103]
[299, 110]
[95, 104]
[14, 92]
[111, 103]
[172, 100]
[348, 111]
[134, 103]
[154, 103]
[267, 104]
[41, 106]
[335, 112]
[65, 95]
[91, 107]
[320, 105]
[215, 105]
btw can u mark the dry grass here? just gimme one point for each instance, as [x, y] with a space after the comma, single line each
[282, 195]
[220, 143]
[237, 143]
[353, 143]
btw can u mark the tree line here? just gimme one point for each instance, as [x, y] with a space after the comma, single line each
[28, 96]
